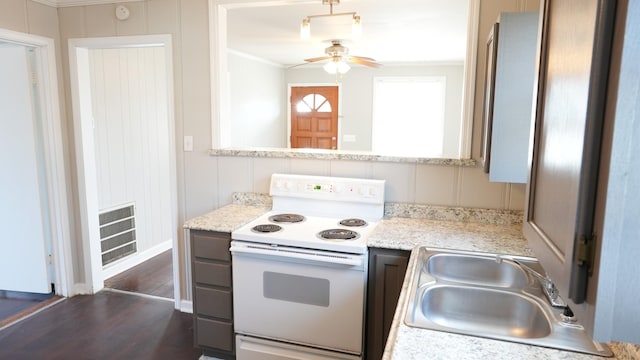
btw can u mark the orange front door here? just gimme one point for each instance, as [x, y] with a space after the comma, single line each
[314, 117]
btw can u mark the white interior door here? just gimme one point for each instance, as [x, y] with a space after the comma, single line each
[23, 243]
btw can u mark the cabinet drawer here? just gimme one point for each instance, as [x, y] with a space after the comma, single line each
[211, 246]
[214, 334]
[212, 274]
[214, 303]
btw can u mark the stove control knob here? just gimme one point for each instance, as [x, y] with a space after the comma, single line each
[367, 191]
[288, 185]
[282, 185]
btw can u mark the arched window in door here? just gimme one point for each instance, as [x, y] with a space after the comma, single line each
[314, 117]
[312, 102]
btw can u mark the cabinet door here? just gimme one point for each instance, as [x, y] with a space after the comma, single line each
[515, 65]
[576, 38]
[212, 293]
[387, 269]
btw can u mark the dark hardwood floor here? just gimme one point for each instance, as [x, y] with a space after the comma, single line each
[15, 305]
[152, 277]
[107, 325]
[110, 324]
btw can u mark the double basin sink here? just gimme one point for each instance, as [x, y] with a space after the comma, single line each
[492, 296]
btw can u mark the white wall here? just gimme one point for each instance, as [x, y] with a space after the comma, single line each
[257, 94]
[131, 129]
[617, 316]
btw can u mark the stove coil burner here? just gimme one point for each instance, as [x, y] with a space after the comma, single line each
[353, 222]
[338, 234]
[266, 228]
[286, 218]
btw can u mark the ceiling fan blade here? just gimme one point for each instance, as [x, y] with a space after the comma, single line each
[363, 58]
[364, 61]
[319, 58]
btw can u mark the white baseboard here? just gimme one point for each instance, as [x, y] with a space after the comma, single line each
[131, 261]
[80, 289]
[186, 306]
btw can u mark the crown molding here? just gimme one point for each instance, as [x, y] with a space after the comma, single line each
[70, 3]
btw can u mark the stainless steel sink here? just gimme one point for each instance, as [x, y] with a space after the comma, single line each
[490, 295]
[479, 310]
[476, 270]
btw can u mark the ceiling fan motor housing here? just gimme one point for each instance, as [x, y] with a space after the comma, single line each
[336, 49]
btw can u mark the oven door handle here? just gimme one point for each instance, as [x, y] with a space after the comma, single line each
[342, 259]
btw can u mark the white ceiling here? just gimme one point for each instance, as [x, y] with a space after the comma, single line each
[392, 31]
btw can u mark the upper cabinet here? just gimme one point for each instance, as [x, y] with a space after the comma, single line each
[509, 91]
[574, 218]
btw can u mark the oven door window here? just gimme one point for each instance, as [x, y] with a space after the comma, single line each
[295, 288]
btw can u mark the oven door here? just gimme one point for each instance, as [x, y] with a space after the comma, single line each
[301, 296]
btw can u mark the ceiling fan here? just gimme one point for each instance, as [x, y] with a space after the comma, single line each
[339, 56]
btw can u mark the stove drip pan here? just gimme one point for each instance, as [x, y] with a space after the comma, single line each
[353, 222]
[266, 228]
[338, 234]
[286, 218]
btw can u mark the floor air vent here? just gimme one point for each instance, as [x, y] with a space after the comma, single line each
[117, 233]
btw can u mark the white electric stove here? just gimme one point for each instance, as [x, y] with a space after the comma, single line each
[324, 213]
[300, 270]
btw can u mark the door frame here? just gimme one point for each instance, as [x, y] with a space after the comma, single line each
[291, 85]
[85, 153]
[58, 214]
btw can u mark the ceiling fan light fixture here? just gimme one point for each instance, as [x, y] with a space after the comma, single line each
[305, 29]
[343, 67]
[336, 67]
[330, 67]
[356, 26]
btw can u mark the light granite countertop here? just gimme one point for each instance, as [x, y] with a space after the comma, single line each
[424, 226]
[226, 218]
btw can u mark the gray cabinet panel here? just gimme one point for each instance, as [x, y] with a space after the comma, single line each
[215, 334]
[214, 302]
[212, 293]
[211, 247]
[212, 274]
[515, 66]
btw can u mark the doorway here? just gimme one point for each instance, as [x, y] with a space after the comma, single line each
[314, 117]
[35, 243]
[122, 96]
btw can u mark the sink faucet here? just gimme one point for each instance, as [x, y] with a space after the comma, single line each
[548, 287]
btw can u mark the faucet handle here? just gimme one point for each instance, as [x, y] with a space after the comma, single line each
[551, 292]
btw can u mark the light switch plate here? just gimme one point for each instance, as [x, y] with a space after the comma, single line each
[188, 143]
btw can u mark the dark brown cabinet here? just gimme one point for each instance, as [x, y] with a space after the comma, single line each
[212, 293]
[387, 269]
[581, 215]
